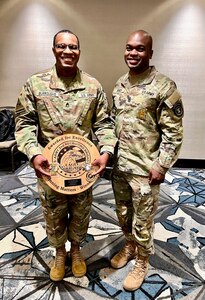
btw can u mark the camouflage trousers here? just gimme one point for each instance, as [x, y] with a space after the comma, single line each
[136, 204]
[66, 216]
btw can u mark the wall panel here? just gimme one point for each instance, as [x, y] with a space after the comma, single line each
[177, 26]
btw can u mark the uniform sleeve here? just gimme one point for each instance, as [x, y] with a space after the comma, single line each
[103, 125]
[27, 123]
[169, 114]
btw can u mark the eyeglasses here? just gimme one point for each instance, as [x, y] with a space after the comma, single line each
[63, 47]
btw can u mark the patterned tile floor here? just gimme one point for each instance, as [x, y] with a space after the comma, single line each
[176, 271]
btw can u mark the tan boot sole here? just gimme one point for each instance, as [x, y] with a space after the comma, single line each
[78, 275]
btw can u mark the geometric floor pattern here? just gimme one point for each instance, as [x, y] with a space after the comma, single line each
[176, 270]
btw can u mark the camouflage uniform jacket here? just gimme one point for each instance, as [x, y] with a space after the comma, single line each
[148, 115]
[48, 107]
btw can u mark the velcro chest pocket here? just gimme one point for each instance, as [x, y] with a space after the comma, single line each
[48, 110]
[87, 104]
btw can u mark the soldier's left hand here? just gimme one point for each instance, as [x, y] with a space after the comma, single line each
[155, 177]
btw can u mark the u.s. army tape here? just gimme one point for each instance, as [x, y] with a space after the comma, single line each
[70, 157]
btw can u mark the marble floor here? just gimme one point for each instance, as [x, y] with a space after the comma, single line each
[176, 271]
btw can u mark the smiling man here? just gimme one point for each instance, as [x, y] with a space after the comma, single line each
[138, 52]
[148, 114]
[66, 49]
[62, 100]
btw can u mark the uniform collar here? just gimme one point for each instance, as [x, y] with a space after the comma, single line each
[58, 83]
[142, 79]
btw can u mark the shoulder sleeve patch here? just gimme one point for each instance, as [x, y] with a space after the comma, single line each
[178, 109]
[175, 104]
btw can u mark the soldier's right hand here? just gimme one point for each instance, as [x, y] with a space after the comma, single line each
[41, 166]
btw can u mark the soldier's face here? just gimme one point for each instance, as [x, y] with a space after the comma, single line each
[66, 52]
[138, 52]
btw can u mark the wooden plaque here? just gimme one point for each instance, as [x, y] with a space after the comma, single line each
[70, 157]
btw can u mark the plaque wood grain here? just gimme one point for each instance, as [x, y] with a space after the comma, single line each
[70, 157]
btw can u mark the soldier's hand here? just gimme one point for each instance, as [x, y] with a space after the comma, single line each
[41, 166]
[155, 177]
[101, 162]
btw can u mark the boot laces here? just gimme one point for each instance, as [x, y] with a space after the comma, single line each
[60, 258]
[76, 257]
[126, 250]
[139, 269]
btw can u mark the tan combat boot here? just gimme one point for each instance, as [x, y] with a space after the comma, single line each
[128, 252]
[136, 277]
[78, 264]
[58, 270]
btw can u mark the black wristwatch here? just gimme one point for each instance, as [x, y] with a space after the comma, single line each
[108, 152]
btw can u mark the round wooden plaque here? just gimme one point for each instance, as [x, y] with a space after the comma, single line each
[70, 157]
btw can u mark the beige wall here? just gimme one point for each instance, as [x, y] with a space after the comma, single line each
[177, 26]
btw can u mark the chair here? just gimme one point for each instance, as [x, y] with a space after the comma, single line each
[10, 145]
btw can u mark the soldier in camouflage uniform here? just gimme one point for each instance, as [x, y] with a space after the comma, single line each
[148, 114]
[58, 101]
